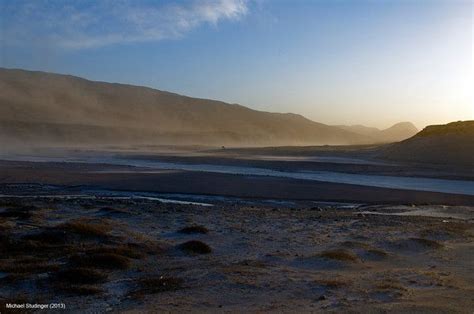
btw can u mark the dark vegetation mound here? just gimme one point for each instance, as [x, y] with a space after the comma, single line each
[101, 260]
[75, 257]
[86, 228]
[340, 255]
[451, 144]
[72, 232]
[415, 244]
[333, 283]
[194, 229]
[195, 247]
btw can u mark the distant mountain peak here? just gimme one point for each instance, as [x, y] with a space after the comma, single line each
[398, 132]
[452, 143]
[404, 125]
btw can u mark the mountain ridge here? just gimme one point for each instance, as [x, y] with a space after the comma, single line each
[451, 144]
[43, 107]
[397, 132]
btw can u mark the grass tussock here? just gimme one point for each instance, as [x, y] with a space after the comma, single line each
[340, 255]
[101, 260]
[72, 231]
[74, 257]
[20, 247]
[390, 285]
[333, 283]
[194, 230]
[195, 247]
[86, 228]
[130, 250]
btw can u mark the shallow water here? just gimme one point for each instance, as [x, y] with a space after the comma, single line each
[321, 159]
[392, 182]
[84, 196]
[449, 212]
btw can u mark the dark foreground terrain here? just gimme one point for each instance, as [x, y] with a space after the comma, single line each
[234, 230]
[98, 252]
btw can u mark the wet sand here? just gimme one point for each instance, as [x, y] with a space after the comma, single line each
[190, 182]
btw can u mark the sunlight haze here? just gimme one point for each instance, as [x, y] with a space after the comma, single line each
[374, 63]
[237, 156]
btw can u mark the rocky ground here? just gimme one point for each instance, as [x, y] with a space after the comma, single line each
[143, 255]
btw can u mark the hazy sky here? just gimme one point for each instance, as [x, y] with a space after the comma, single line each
[336, 62]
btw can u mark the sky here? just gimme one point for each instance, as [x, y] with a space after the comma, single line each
[374, 62]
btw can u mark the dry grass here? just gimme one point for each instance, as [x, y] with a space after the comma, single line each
[79, 255]
[72, 232]
[195, 247]
[451, 229]
[86, 228]
[377, 252]
[101, 260]
[130, 250]
[340, 255]
[390, 285]
[20, 247]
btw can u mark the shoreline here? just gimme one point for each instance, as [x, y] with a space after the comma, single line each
[214, 184]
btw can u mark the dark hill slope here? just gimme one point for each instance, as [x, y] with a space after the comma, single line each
[45, 108]
[451, 144]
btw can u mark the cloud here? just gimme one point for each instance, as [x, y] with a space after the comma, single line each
[83, 24]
